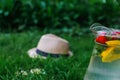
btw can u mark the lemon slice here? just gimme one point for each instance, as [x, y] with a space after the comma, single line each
[111, 54]
[113, 43]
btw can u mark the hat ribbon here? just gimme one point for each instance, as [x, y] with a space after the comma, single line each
[112, 52]
[42, 53]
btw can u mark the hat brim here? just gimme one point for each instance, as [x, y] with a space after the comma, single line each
[32, 53]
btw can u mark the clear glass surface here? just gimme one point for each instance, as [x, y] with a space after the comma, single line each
[98, 70]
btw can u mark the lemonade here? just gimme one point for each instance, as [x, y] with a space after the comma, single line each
[105, 60]
[99, 70]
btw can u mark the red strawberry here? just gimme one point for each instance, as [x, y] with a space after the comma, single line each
[117, 32]
[101, 39]
[114, 37]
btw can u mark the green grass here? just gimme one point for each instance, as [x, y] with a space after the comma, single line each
[14, 58]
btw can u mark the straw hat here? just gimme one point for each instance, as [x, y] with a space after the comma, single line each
[50, 45]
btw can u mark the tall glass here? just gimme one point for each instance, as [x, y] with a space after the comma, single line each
[99, 70]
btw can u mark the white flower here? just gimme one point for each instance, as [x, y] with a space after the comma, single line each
[35, 71]
[22, 72]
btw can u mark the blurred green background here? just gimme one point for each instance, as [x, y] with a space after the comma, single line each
[23, 22]
[20, 15]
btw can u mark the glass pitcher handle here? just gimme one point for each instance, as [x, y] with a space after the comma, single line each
[98, 27]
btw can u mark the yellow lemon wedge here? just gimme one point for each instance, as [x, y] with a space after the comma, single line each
[112, 52]
[113, 42]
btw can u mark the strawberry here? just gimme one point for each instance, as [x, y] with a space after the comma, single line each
[114, 38]
[117, 32]
[115, 35]
[101, 39]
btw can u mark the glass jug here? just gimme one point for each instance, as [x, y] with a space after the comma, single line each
[105, 60]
